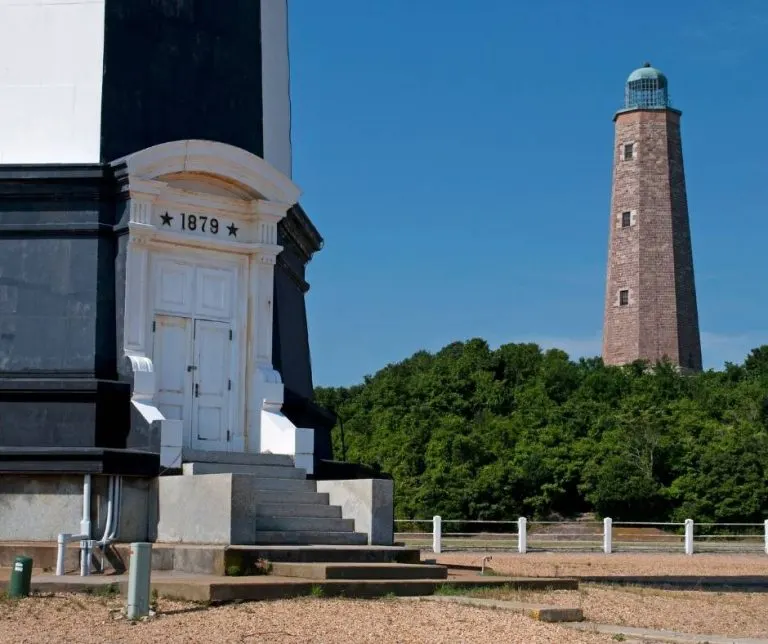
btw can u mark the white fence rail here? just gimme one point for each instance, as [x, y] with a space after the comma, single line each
[582, 536]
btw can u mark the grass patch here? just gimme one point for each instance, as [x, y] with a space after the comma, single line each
[106, 590]
[240, 568]
[454, 589]
[506, 592]
[316, 591]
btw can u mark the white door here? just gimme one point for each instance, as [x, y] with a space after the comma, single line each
[212, 384]
[172, 357]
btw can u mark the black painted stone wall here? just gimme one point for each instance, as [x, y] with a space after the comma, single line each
[57, 309]
[290, 351]
[181, 69]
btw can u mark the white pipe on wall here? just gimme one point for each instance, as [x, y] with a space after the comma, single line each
[111, 526]
[85, 529]
[85, 523]
[110, 510]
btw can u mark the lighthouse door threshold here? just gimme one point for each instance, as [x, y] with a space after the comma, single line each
[194, 378]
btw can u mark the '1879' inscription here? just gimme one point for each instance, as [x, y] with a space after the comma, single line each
[198, 223]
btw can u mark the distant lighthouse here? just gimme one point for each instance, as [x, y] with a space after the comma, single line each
[650, 301]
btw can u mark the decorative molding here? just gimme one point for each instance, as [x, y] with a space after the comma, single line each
[56, 230]
[267, 373]
[297, 228]
[47, 374]
[297, 279]
[60, 183]
[143, 377]
[213, 158]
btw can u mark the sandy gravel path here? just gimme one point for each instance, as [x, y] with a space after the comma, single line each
[733, 614]
[84, 620]
[563, 565]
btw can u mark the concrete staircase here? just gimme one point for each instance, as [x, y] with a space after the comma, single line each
[289, 511]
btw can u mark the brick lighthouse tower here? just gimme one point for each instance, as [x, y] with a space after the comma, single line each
[650, 301]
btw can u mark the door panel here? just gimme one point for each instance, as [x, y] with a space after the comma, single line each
[210, 404]
[174, 287]
[171, 353]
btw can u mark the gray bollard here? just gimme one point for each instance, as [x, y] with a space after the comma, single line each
[139, 572]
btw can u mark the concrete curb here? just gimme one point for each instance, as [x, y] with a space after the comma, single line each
[540, 612]
[736, 583]
[651, 635]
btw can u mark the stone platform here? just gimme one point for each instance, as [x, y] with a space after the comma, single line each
[211, 559]
[222, 589]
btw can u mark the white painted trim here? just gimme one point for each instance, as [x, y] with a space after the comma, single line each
[276, 84]
[233, 164]
[214, 180]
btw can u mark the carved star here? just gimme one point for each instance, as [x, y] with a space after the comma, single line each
[232, 230]
[167, 219]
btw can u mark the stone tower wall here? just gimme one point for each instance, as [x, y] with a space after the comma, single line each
[651, 258]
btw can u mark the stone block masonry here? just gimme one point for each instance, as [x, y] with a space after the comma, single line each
[650, 304]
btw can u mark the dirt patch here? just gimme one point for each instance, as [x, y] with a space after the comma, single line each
[70, 618]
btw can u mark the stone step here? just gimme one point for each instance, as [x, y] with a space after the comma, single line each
[262, 471]
[284, 486]
[359, 571]
[291, 497]
[288, 508]
[310, 537]
[344, 554]
[235, 458]
[311, 524]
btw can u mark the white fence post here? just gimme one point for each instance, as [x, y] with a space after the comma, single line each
[437, 534]
[689, 536]
[766, 536]
[607, 535]
[522, 535]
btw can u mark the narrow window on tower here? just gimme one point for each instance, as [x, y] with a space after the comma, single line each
[629, 151]
[626, 219]
[623, 298]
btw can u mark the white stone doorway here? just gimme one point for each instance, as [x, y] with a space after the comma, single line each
[200, 255]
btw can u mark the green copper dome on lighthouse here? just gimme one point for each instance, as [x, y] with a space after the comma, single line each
[646, 88]
[646, 72]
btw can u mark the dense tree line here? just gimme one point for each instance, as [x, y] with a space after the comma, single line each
[474, 433]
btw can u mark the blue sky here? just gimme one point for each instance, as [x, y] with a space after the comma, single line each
[456, 157]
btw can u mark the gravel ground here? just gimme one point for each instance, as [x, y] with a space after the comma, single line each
[563, 565]
[732, 614]
[70, 618]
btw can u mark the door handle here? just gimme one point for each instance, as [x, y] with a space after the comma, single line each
[191, 368]
[197, 390]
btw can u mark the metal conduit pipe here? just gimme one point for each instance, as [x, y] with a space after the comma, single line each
[85, 532]
[118, 507]
[85, 529]
[111, 527]
[110, 510]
